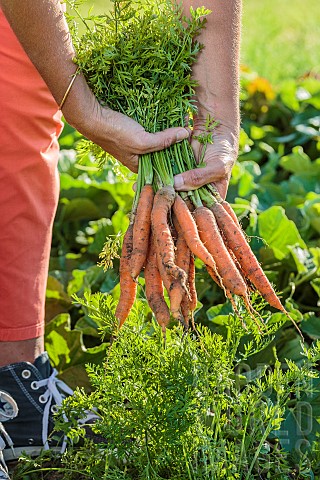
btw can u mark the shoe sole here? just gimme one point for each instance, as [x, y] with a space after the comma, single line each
[10, 455]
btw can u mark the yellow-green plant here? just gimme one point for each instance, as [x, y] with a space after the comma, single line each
[184, 410]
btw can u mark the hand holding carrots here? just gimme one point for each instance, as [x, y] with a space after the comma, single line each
[124, 138]
[217, 161]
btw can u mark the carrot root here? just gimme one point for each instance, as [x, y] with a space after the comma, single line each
[128, 287]
[230, 276]
[154, 289]
[162, 204]
[238, 245]
[192, 285]
[141, 230]
[190, 233]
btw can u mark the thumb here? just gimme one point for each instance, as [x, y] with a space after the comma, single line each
[165, 138]
[193, 179]
[198, 177]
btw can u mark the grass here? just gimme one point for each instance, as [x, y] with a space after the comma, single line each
[280, 40]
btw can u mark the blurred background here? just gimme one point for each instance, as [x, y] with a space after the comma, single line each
[280, 39]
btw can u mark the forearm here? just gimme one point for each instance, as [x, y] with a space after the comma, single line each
[42, 30]
[217, 68]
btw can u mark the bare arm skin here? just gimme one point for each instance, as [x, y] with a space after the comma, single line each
[217, 72]
[42, 30]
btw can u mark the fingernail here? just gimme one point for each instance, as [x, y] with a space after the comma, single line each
[178, 182]
[182, 135]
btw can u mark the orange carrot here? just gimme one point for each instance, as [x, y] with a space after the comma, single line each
[162, 204]
[213, 275]
[231, 212]
[234, 217]
[182, 257]
[175, 289]
[128, 287]
[165, 276]
[141, 230]
[238, 244]
[176, 294]
[211, 237]
[183, 261]
[190, 232]
[185, 310]
[154, 288]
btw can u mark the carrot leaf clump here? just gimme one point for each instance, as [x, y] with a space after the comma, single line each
[194, 410]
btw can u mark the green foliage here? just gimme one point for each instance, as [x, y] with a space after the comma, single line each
[279, 40]
[67, 351]
[129, 57]
[189, 409]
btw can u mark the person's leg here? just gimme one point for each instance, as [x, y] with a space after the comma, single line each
[29, 192]
[21, 351]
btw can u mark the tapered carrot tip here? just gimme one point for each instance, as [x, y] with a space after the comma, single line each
[253, 314]
[164, 335]
[294, 323]
[250, 266]
[183, 322]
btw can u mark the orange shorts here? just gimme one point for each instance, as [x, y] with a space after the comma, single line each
[29, 189]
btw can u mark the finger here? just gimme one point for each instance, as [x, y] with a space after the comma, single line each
[222, 187]
[132, 163]
[196, 178]
[153, 142]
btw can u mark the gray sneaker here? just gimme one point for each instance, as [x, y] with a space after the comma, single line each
[38, 394]
[8, 411]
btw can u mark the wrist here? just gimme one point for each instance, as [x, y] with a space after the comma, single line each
[225, 111]
[79, 105]
[228, 122]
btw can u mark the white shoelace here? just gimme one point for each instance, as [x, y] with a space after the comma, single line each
[54, 387]
[56, 390]
[3, 445]
[8, 412]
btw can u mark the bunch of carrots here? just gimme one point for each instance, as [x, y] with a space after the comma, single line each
[138, 60]
[166, 234]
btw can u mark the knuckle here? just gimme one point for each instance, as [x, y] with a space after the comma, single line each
[225, 168]
[167, 141]
[139, 144]
[196, 177]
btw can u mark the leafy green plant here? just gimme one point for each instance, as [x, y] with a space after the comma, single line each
[190, 409]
